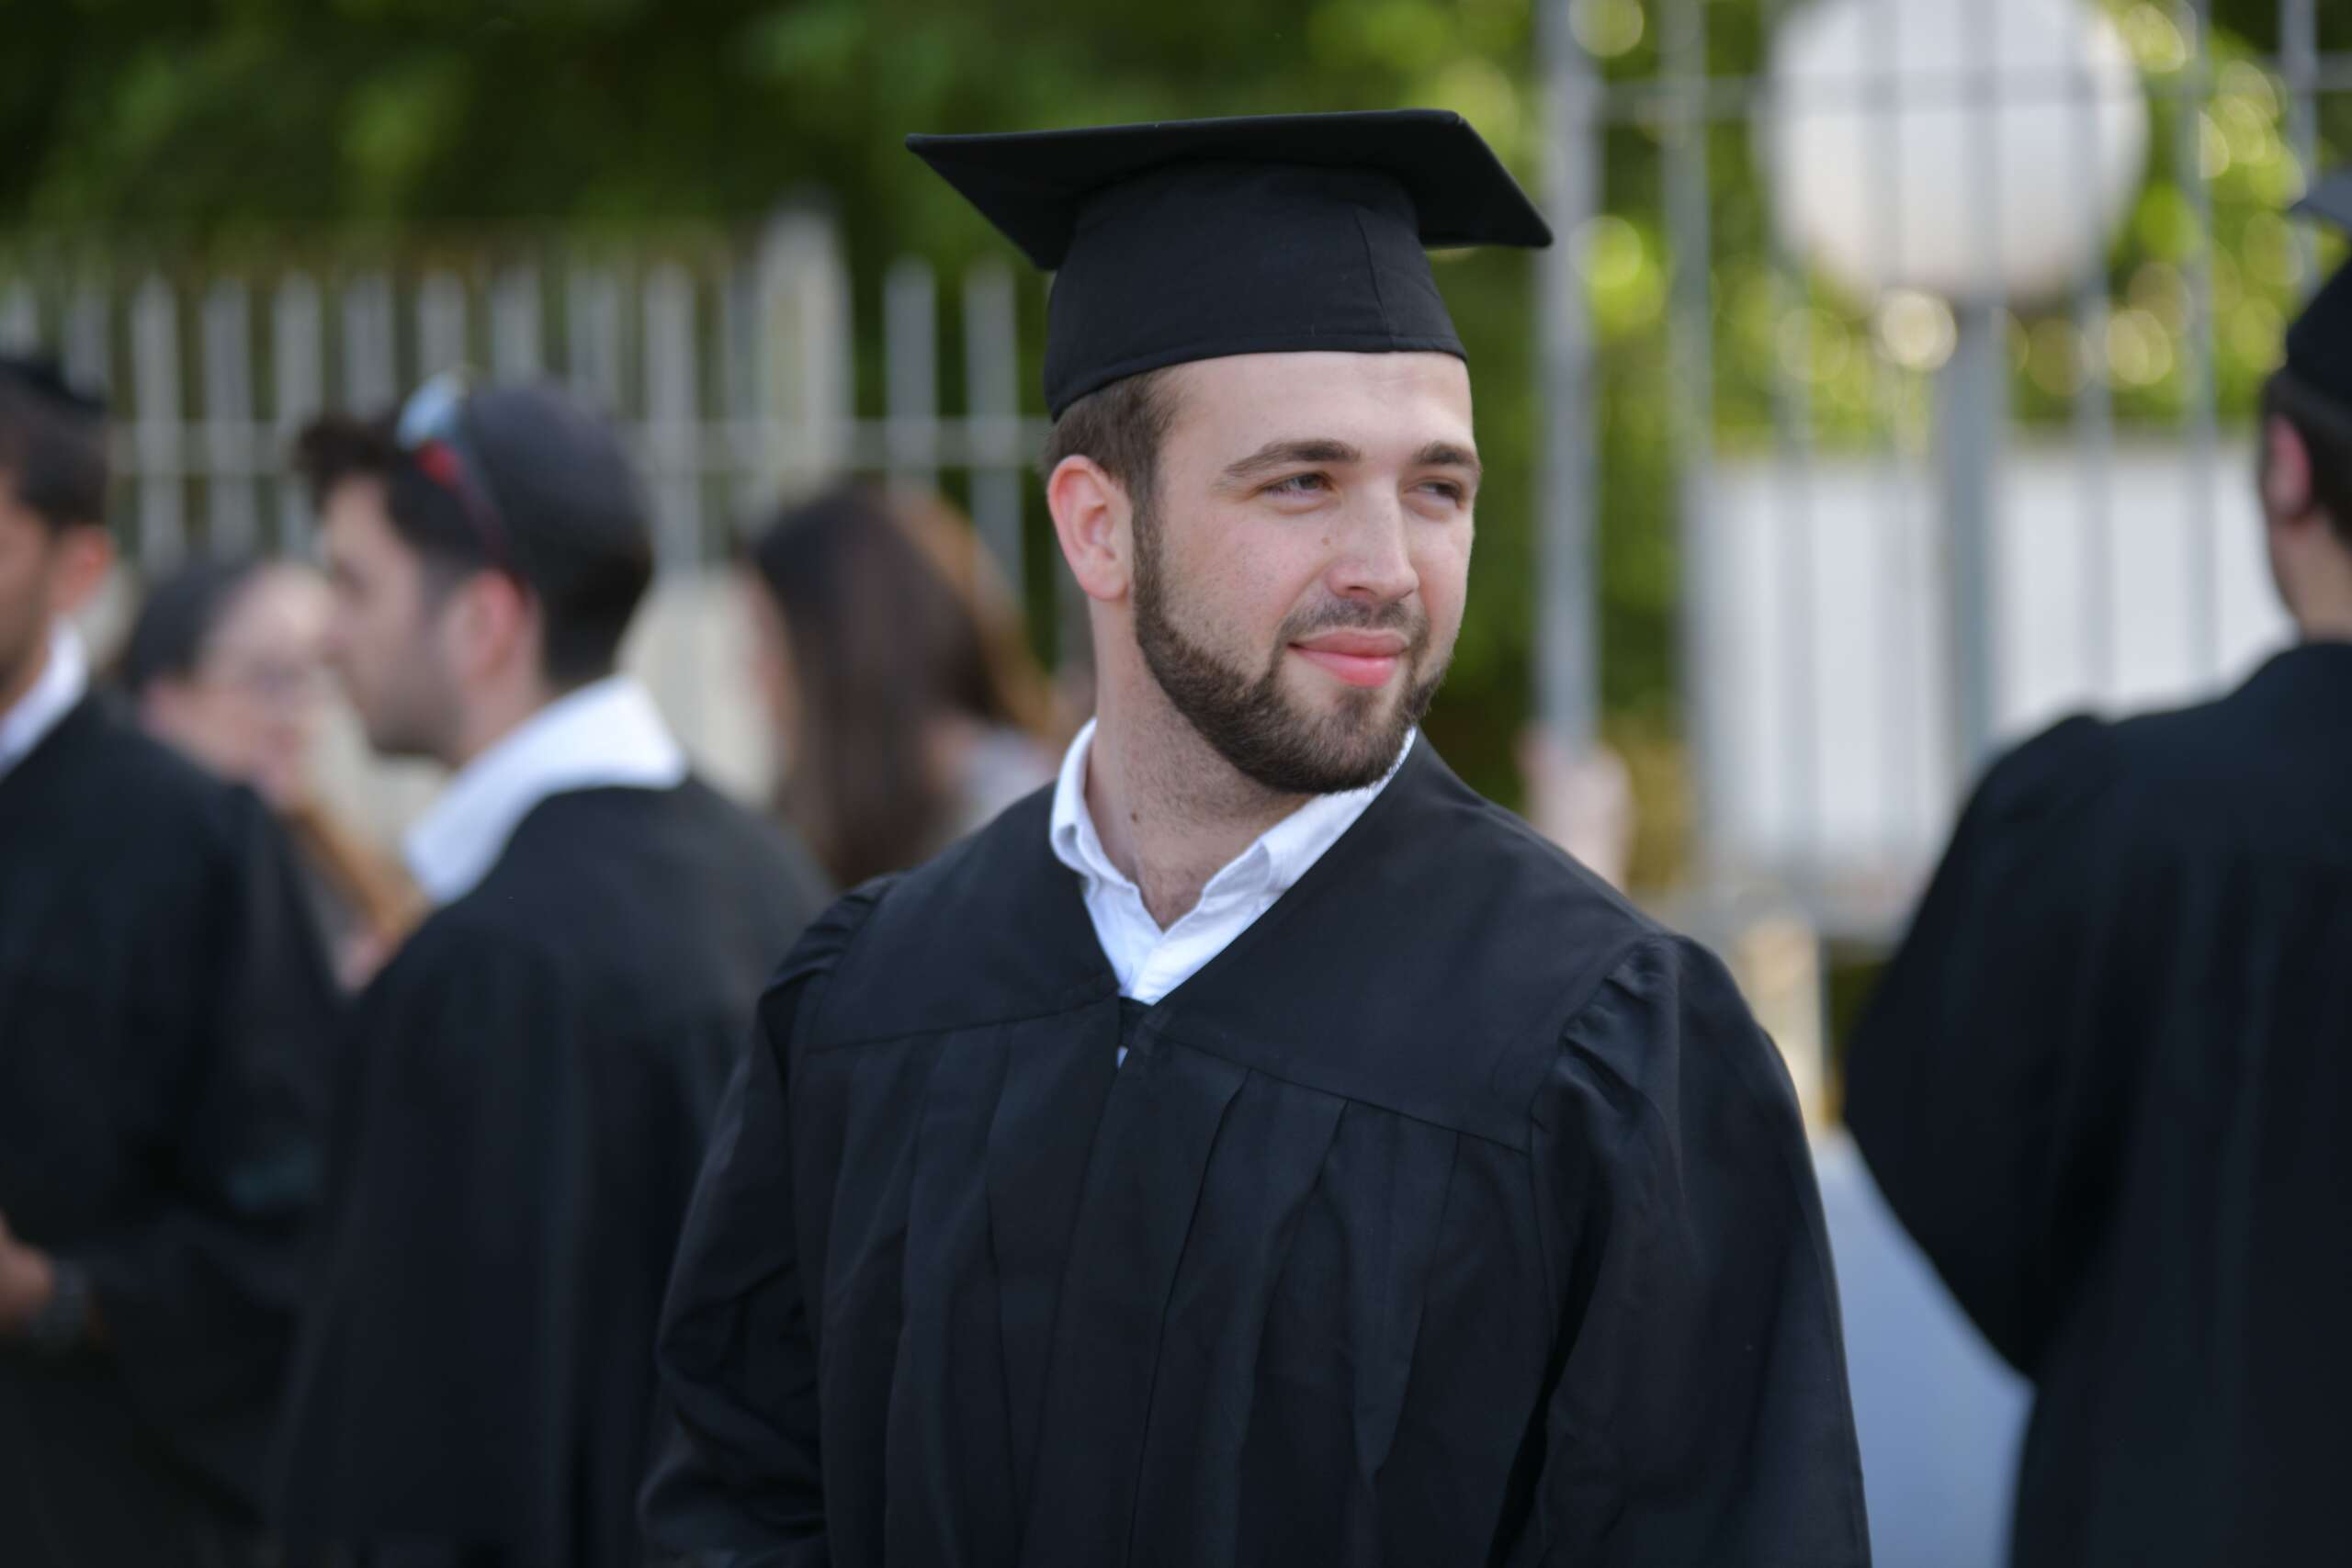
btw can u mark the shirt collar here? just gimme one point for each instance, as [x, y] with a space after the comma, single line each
[605, 735]
[1273, 861]
[63, 680]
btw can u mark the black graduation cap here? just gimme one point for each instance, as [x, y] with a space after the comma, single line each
[1187, 240]
[2319, 341]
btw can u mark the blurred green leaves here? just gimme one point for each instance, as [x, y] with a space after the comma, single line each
[193, 120]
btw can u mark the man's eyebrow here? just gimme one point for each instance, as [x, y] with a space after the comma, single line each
[1276, 454]
[1448, 455]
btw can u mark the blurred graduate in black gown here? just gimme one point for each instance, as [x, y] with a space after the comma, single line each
[1256, 1148]
[527, 1087]
[2108, 1080]
[166, 1013]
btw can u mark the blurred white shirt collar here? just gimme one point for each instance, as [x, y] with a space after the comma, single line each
[63, 681]
[1150, 961]
[605, 735]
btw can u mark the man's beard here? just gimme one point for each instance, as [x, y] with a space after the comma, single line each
[1269, 738]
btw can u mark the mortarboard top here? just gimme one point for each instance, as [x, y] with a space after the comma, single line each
[2319, 341]
[1187, 240]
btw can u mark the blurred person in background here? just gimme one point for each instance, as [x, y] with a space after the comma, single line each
[2107, 1081]
[165, 1011]
[227, 662]
[528, 1084]
[908, 709]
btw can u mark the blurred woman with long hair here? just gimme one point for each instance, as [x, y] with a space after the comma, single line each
[907, 707]
[226, 663]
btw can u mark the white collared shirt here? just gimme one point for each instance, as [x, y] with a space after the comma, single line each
[1150, 961]
[61, 683]
[605, 735]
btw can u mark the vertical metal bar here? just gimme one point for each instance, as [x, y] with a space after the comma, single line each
[440, 323]
[2299, 64]
[370, 365]
[230, 513]
[993, 414]
[1690, 329]
[1793, 517]
[155, 427]
[19, 318]
[299, 380]
[1567, 672]
[593, 298]
[802, 373]
[2197, 341]
[2094, 400]
[1881, 135]
[1972, 388]
[1973, 393]
[670, 405]
[515, 344]
[736, 295]
[910, 365]
[89, 354]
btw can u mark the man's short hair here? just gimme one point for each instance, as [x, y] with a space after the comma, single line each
[2325, 426]
[1121, 427]
[567, 500]
[53, 446]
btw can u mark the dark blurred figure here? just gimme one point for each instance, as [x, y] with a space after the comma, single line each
[227, 662]
[164, 1006]
[909, 710]
[2108, 1080]
[529, 1082]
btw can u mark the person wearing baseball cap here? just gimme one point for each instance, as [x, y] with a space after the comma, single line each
[526, 1087]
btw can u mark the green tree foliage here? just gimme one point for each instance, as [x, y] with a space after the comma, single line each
[200, 118]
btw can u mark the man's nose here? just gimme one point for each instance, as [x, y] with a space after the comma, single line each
[1373, 560]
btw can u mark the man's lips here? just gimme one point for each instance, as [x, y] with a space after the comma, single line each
[1359, 658]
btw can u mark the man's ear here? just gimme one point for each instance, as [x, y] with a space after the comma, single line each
[495, 620]
[1095, 524]
[2286, 471]
[84, 556]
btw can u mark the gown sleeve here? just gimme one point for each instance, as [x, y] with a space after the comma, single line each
[196, 1298]
[1982, 1086]
[739, 1479]
[1699, 1411]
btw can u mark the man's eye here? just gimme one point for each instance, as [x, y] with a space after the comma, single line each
[1451, 491]
[1300, 484]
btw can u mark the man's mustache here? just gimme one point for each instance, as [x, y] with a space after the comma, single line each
[1357, 615]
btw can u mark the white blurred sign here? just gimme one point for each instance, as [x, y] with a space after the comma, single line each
[1822, 653]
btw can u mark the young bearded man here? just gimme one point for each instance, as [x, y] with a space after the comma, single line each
[165, 1016]
[1257, 1149]
[528, 1086]
[2106, 1080]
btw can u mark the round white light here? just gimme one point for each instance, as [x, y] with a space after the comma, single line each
[1970, 149]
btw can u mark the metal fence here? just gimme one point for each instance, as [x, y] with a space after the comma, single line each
[727, 362]
[1865, 614]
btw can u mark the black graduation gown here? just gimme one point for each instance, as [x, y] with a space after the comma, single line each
[165, 1017]
[1453, 1214]
[2106, 1084]
[529, 1084]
